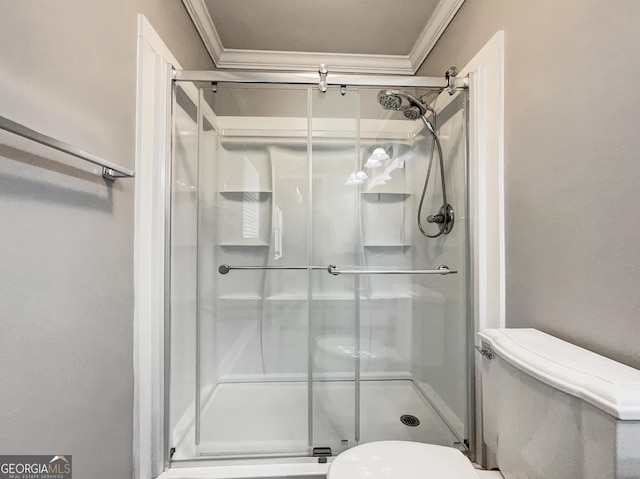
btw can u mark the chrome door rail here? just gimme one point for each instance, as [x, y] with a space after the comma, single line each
[225, 268]
[303, 78]
[336, 270]
[442, 269]
[110, 171]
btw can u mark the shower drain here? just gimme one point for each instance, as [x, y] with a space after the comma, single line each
[409, 420]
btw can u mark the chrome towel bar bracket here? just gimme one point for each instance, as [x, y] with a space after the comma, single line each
[110, 171]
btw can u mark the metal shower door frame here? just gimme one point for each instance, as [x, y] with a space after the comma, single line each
[305, 78]
[354, 80]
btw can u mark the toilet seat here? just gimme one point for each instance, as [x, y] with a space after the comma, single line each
[401, 460]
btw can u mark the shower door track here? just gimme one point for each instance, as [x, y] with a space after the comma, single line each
[334, 79]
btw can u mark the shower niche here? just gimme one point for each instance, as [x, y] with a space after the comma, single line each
[282, 358]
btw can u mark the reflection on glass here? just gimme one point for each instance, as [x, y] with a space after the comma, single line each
[356, 178]
[376, 159]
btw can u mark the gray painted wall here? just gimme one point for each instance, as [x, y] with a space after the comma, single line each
[572, 173]
[66, 263]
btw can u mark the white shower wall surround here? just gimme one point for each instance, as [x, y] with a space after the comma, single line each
[284, 310]
[254, 189]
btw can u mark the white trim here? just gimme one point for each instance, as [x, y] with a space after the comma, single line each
[442, 16]
[338, 62]
[204, 24]
[295, 61]
[148, 35]
[152, 156]
[487, 180]
[486, 190]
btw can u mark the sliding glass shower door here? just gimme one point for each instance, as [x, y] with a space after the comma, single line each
[254, 323]
[334, 239]
[271, 355]
[413, 332]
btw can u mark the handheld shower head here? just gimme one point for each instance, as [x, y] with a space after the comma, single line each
[399, 100]
[414, 108]
[389, 99]
[413, 112]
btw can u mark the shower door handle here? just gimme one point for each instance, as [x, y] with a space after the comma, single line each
[442, 270]
[336, 270]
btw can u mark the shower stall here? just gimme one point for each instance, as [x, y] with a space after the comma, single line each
[308, 313]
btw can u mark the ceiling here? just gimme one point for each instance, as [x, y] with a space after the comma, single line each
[350, 36]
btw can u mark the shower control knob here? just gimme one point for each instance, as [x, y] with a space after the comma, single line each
[444, 219]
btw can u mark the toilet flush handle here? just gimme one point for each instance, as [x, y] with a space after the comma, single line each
[486, 352]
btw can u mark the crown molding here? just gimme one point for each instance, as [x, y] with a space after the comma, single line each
[226, 58]
[296, 61]
[442, 16]
[204, 24]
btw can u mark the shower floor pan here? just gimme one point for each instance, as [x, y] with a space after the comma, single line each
[270, 418]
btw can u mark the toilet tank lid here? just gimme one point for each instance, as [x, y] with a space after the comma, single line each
[608, 385]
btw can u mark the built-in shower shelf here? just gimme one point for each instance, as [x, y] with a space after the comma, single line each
[321, 297]
[243, 245]
[287, 297]
[303, 297]
[385, 296]
[386, 245]
[314, 297]
[334, 297]
[240, 297]
[239, 195]
[389, 194]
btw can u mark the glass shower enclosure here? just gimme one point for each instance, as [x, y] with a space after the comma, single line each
[301, 320]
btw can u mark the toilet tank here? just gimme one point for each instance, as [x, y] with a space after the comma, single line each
[553, 410]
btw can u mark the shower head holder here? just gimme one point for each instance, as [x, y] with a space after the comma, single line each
[445, 222]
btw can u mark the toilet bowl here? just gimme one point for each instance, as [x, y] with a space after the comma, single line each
[401, 460]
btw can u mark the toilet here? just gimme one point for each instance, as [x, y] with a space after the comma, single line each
[550, 410]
